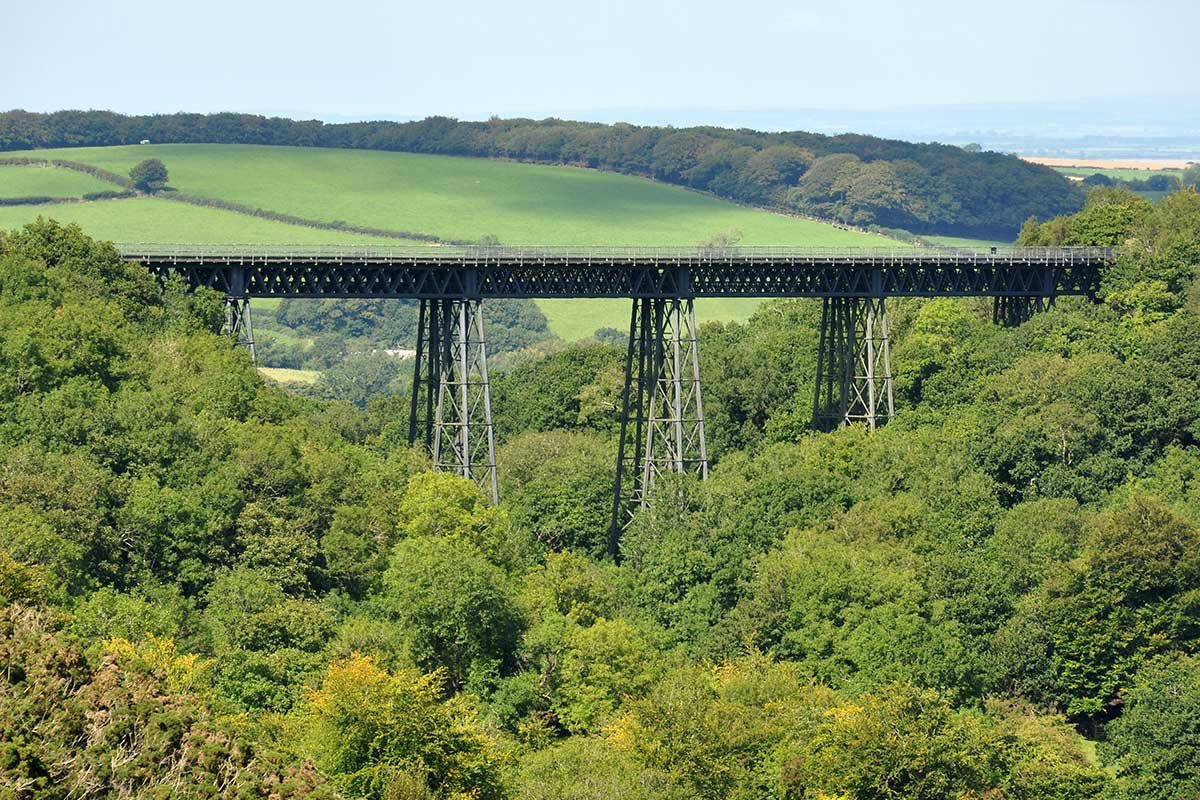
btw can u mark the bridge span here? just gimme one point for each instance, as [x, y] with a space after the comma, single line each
[662, 419]
[445, 272]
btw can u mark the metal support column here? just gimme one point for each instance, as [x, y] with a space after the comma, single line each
[662, 414]
[854, 364]
[1012, 311]
[239, 325]
[451, 404]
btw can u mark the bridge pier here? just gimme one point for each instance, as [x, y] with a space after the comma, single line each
[662, 414]
[239, 324]
[1011, 311]
[854, 364]
[451, 404]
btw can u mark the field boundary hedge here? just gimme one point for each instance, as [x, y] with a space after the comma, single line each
[128, 191]
[292, 219]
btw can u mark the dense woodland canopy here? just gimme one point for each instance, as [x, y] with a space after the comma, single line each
[851, 178]
[214, 588]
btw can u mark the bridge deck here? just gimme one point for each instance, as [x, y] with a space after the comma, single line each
[483, 271]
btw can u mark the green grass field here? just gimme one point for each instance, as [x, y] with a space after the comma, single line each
[1118, 174]
[968, 244]
[29, 181]
[149, 219]
[579, 319]
[463, 198]
[453, 198]
[281, 375]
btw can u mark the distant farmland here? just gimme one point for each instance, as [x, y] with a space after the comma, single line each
[461, 199]
[29, 181]
[1137, 165]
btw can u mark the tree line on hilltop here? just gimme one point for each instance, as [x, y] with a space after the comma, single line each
[853, 179]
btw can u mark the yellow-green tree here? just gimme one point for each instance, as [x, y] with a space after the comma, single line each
[382, 735]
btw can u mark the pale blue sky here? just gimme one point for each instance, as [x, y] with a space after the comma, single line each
[467, 58]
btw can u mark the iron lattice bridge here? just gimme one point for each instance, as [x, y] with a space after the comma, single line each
[662, 416]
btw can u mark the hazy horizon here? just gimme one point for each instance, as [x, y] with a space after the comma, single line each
[1039, 71]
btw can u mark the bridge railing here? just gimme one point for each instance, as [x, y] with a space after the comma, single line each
[495, 253]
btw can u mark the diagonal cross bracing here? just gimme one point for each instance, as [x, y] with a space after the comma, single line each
[451, 404]
[854, 364]
[662, 418]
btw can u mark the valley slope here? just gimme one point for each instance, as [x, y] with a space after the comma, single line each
[449, 198]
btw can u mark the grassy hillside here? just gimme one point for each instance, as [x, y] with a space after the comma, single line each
[1117, 173]
[447, 197]
[462, 198]
[302, 376]
[149, 219]
[968, 244]
[923, 188]
[29, 181]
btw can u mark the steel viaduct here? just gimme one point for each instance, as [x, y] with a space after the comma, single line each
[662, 417]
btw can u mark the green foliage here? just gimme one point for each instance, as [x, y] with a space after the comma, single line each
[371, 325]
[573, 586]
[360, 377]
[1108, 219]
[384, 735]
[267, 642]
[556, 392]
[558, 486]
[720, 733]
[941, 325]
[133, 616]
[19, 582]
[356, 547]
[1191, 177]
[1049, 760]
[1154, 747]
[139, 722]
[457, 607]
[850, 613]
[582, 768]
[900, 742]
[826, 616]
[1080, 638]
[760, 375]
[149, 175]
[1159, 247]
[599, 666]
[441, 504]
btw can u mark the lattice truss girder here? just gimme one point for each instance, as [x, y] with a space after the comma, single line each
[662, 419]
[1013, 310]
[734, 279]
[451, 407]
[854, 364]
